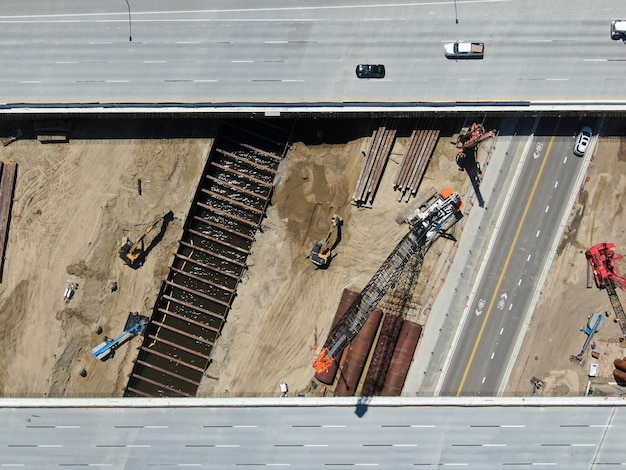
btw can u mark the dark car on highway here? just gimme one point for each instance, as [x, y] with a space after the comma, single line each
[370, 71]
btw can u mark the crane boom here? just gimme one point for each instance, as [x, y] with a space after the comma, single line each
[425, 226]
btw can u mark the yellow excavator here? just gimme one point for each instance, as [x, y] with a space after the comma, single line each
[321, 253]
[132, 253]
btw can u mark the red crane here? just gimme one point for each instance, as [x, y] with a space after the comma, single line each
[607, 276]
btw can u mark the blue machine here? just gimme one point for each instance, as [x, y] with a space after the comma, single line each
[108, 346]
[593, 325]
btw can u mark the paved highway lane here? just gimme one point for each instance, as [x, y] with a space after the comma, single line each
[312, 437]
[307, 51]
[503, 295]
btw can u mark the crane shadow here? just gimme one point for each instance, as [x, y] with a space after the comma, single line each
[467, 162]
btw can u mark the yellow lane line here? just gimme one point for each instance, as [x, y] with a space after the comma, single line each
[506, 264]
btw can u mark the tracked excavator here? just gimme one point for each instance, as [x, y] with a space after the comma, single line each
[321, 253]
[470, 137]
[132, 253]
[426, 224]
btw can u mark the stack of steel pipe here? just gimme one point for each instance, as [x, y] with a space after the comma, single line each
[356, 356]
[402, 357]
[619, 373]
[347, 298]
[417, 156]
[196, 297]
[375, 162]
[382, 355]
[7, 186]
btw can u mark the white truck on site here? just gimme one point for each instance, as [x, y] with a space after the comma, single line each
[464, 50]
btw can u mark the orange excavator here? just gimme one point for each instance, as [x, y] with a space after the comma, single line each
[470, 137]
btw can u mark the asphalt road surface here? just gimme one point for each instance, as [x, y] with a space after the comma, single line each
[395, 437]
[304, 51]
[512, 270]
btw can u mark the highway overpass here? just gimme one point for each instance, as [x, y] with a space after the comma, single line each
[386, 433]
[278, 58]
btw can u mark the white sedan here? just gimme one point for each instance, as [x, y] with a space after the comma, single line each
[582, 141]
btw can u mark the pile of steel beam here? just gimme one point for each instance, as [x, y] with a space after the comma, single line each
[375, 161]
[7, 185]
[197, 295]
[416, 157]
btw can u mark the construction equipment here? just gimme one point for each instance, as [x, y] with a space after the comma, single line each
[135, 325]
[321, 253]
[70, 288]
[470, 137]
[602, 259]
[593, 325]
[132, 253]
[425, 227]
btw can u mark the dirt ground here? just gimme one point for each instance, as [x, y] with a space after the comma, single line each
[74, 203]
[566, 302]
[286, 307]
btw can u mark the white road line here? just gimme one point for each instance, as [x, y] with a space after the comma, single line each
[67, 427]
[116, 81]
[156, 427]
[501, 331]
[292, 81]
[242, 61]
[277, 464]
[557, 79]
[556, 183]
[494, 445]
[519, 283]
[11, 464]
[455, 464]
[595, 60]
[543, 463]
[245, 426]
[538, 232]
[404, 445]
[492, 355]
[66, 62]
[226, 445]
[583, 445]
[484, 380]
[423, 425]
[547, 208]
[49, 445]
[513, 426]
[315, 445]
[154, 62]
[187, 42]
[366, 465]
[529, 256]
[276, 42]
[140, 446]
[564, 159]
[205, 81]
[333, 425]
[510, 306]
[30, 81]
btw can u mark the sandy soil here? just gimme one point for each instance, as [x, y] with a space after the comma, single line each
[73, 205]
[566, 302]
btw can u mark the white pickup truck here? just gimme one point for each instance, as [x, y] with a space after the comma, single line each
[464, 50]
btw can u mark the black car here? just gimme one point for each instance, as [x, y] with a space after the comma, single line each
[370, 71]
